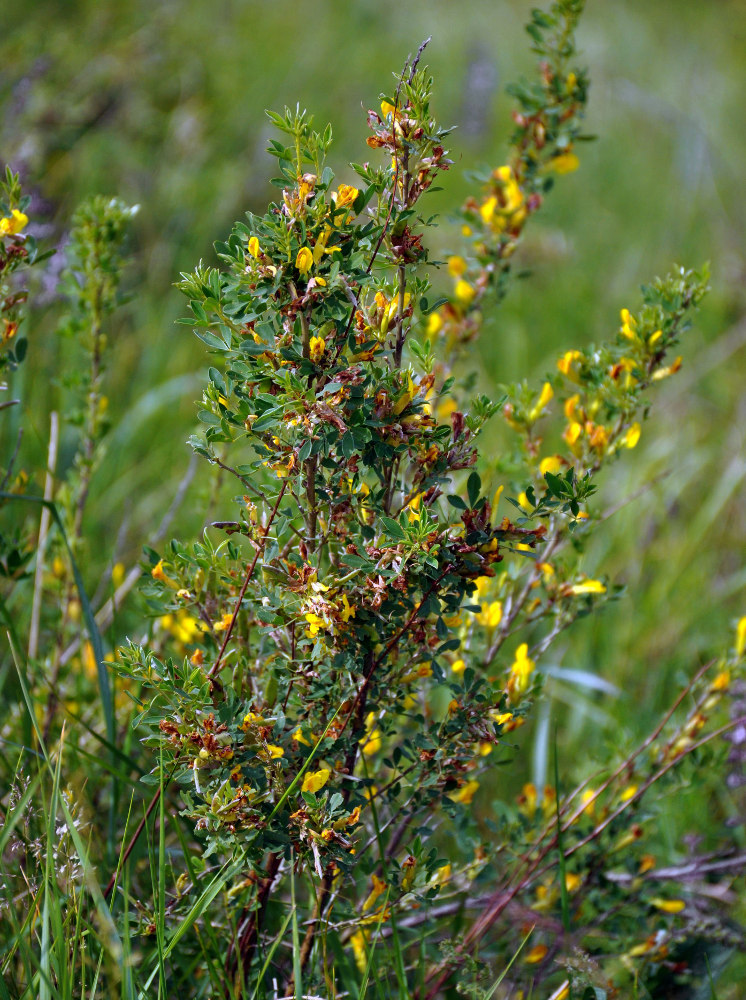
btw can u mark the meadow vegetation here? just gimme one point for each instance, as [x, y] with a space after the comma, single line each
[423, 676]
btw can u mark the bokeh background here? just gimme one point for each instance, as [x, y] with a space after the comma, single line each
[162, 103]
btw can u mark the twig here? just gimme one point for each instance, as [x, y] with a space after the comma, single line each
[33, 641]
[249, 573]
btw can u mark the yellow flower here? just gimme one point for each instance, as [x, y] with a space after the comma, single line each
[542, 402]
[536, 954]
[358, 943]
[632, 436]
[465, 794]
[491, 616]
[570, 405]
[274, 752]
[572, 881]
[304, 260]
[520, 671]
[464, 292]
[741, 636]
[458, 667]
[566, 364]
[565, 163]
[379, 887]
[434, 323]
[13, 224]
[488, 209]
[588, 587]
[159, 573]
[224, 623]
[671, 369]
[456, 266]
[346, 194]
[348, 610]
[388, 109]
[315, 623]
[668, 905]
[629, 793]
[317, 346]
[629, 325]
[117, 574]
[254, 247]
[550, 464]
[501, 717]
[372, 742]
[315, 780]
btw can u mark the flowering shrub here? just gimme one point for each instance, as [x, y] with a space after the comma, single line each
[335, 680]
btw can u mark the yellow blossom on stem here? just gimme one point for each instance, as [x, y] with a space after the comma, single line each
[345, 195]
[629, 325]
[465, 794]
[491, 615]
[304, 260]
[317, 346]
[545, 397]
[568, 363]
[565, 163]
[536, 954]
[159, 573]
[434, 323]
[224, 622]
[551, 463]
[520, 672]
[668, 905]
[632, 436]
[315, 780]
[378, 888]
[464, 292]
[13, 224]
[458, 667]
[254, 247]
[671, 369]
[456, 266]
[588, 587]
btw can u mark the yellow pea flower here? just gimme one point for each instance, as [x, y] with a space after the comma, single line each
[668, 905]
[520, 672]
[542, 402]
[254, 247]
[345, 195]
[632, 436]
[567, 363]
[551, 464]
[536, 954]
[13, 224]
[434, 323]
[456, 266]
[304, 260]
[464, 292]
[565, 163]
[465, 794]
[588, 587]
[315, 780]
[317, 346]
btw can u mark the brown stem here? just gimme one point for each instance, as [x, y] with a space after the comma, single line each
[249, 573]
[241, 952]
